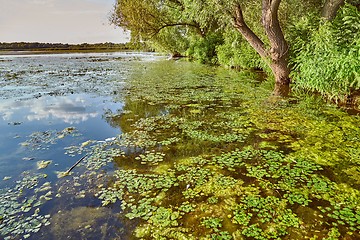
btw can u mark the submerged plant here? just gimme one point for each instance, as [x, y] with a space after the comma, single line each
[232, 165]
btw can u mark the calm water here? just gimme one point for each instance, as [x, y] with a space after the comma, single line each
[41, 93]
[41, 98]
[171, 150]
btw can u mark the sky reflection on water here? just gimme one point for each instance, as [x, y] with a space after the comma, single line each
[19, 119]
[67, 109]
[33, 101]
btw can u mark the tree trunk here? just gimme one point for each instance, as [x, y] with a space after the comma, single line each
[247, 33]
[277, 55]
[281, 72]
[278, 47]
[330, 9]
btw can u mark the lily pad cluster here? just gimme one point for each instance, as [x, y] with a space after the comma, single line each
[151, 157]
[258, 192]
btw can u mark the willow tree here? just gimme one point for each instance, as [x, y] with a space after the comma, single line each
[171, 23]
[159, 22]
[277, 54]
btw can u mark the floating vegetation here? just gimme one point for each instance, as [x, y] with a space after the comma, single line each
[234, 165]
[261, 202]
[151, 157]
[43, 164]
[204, 153]
[62, 174]
[43, 140]
[20, 213]
[6, 178]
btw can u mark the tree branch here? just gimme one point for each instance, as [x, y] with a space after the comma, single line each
[247, 33]
[270, 21]
[330, 8]
[275, 5]
[75, 164]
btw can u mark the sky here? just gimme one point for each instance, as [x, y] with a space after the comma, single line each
[58, 21]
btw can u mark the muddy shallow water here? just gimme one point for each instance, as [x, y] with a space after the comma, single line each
[169, 150]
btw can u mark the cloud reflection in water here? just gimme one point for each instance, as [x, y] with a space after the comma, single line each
[68, 109]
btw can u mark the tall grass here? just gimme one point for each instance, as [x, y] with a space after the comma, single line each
[326, 59]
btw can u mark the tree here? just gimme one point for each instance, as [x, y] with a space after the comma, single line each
[330, 8]
[191, 26]
[277, 55]
[161, 23]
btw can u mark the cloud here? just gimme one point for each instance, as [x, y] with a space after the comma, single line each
[67, 21]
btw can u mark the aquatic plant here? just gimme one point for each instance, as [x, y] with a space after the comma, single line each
[43, 140]
[20, 214]
[207, 155]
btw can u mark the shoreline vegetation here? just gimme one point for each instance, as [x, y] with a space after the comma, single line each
[316, 52]
[19, 48]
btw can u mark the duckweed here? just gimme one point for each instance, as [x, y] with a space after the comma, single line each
[19, 215]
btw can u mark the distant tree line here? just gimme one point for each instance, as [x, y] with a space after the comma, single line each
[33, 46]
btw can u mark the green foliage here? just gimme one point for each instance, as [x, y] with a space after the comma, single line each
[236, 52]
[324, 55]
[169, 40]
[347, 26]
[151, 157]
[204, 49]
[164, 217]
[327, 58]
[214, 223]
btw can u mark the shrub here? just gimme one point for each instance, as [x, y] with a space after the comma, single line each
[204, 49]
[326, 59]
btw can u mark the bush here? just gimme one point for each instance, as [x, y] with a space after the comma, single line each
[236, 52]
[204, 49]
[326, 59]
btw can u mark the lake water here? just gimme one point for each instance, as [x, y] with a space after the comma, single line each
[42, 96]
[168, 150]
[41, 93]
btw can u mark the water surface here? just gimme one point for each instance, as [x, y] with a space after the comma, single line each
[171, 150]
